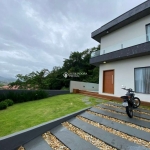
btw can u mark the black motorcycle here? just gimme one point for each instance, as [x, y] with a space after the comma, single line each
[130, 102]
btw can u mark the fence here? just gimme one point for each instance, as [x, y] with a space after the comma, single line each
[50, 92]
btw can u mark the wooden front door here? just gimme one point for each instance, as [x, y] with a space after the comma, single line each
[108, 81]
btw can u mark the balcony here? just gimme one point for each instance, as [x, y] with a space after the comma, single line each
[129, 49]
[121, 45]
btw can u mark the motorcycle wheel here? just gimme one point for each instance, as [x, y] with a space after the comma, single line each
[136, 102]
[129, 111]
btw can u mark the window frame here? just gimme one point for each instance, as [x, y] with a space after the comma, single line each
[134, 78]
[146, 32]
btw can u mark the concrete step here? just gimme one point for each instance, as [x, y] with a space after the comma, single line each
[37, 144]
[122, 117]
[117, 126]
[139, 108]
[71, 140]
[109, 138]
[137, 114]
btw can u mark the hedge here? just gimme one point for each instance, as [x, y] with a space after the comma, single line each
[24, 96]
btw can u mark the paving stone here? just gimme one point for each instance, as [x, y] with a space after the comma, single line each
[87, 103]
[37, 144]
[144, 110]
[85, 100]
[123, 111]
[122, 117]
[71, 140]
[99, 100]
[116, 104]
[109, 138]
[117, 126]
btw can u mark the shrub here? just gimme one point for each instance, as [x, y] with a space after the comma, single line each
[39, 94]
[9, 102]
[3, 105]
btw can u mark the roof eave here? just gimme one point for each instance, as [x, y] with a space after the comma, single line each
[132, 15]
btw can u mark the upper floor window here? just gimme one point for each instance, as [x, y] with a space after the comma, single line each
[148, 32]
[142, 80]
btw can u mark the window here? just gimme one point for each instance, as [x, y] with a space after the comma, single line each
[142, 80]
[148, 32]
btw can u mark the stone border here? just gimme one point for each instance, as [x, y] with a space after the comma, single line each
[14, 141]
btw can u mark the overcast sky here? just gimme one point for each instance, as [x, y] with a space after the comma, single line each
[37, 34]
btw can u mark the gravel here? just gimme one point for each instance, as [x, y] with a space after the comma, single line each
[54, 142]
[21, 148]
[120, 121]
[93, 140]
[118, 133]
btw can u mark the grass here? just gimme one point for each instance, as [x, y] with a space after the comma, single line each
[24, 115]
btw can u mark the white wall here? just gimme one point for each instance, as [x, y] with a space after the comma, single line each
[124, 75]
[83, 86]
[132, 34]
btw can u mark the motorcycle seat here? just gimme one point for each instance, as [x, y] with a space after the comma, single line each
[124, 97]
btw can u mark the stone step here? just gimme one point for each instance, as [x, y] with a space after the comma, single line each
[109, 138]
[139, 108]
[122, 117]
[117, 126]
[71, 140]
[137, 114]
[37, 144]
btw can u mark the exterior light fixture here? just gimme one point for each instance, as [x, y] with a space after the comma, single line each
[104, 62]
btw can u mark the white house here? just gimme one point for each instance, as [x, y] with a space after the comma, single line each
[124, 58]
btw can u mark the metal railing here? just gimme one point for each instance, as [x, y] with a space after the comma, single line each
[95, 53]
[121, 45]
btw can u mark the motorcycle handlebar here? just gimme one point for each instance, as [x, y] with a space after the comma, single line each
[130, 90]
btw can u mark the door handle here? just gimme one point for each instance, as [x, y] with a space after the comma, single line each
[112, 79]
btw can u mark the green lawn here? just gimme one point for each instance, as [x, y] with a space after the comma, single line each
[24, 115]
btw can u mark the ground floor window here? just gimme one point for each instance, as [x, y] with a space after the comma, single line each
[142, 80]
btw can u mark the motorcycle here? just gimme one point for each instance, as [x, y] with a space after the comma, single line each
[130, 102]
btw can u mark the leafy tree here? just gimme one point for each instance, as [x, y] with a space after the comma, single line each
[45, 79]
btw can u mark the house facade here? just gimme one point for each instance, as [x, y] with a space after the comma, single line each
[124, 58]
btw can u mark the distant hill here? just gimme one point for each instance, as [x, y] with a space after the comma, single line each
[6, 80]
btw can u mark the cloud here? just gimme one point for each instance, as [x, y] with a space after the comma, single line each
[40, 34]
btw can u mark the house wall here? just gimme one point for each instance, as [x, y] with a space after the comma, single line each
[132, 34]
[124, 75]
[83, 86]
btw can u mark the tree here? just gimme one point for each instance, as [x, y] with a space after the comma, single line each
[78, 62]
